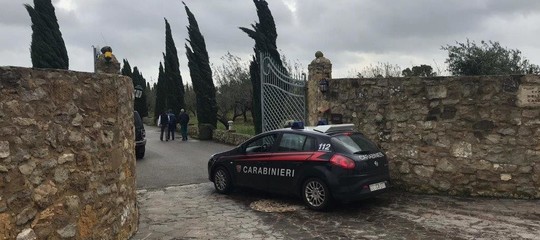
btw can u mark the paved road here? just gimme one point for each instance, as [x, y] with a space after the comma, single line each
[198, 212]
[176, 201]
[168, 163]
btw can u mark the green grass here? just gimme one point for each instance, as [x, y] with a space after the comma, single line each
[239, 125]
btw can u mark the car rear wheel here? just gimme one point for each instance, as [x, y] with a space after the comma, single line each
[316, 194]
[222, 181]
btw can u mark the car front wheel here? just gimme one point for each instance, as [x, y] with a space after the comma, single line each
[316, 194]
[222, 181]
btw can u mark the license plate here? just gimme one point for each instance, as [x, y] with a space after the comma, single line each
[377, 186]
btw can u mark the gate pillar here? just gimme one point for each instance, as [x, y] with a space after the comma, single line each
[317, 105]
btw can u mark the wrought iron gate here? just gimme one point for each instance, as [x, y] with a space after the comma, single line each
[283, 98]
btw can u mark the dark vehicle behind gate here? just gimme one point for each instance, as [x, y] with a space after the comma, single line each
[140, 136]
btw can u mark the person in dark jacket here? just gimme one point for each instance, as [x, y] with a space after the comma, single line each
[163, 122]
[172, 125]
[183, 119]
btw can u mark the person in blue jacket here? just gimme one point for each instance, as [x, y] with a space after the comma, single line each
[171, 125]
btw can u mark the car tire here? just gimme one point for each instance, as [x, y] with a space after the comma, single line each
[316, 194]
[222, 180]
[139, 152]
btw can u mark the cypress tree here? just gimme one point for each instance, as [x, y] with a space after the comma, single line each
[47, 49]
[137, 79]
[174, 85]
[161, 99]
[200, 72]
[140, 103]
[126, 69]
[149, 90]
[264, 33]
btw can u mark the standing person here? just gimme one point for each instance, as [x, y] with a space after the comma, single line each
[183, 119]
[163, 122]
[172, 125]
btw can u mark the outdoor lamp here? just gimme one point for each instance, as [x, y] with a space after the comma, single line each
[138, 91]
[323, 85]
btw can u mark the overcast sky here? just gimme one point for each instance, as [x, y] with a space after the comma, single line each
[353, 34]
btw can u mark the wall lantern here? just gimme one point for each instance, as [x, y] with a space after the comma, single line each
[323, 85]
[138, 91]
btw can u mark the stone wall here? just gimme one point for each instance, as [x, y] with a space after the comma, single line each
[67, 163]
[476, 136]
[222, 136]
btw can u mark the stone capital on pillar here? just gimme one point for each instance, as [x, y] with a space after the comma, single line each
[106, 62]
[320, 68]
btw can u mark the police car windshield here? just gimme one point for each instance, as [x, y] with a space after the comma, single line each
[356, 143]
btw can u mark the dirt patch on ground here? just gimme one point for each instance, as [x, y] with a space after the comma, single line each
[266, 205]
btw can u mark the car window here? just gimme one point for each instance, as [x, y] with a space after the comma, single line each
[296, 142]
[310, 144]
[261, 144]
[356, 143]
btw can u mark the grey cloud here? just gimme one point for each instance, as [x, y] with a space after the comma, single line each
[14, 14]
[352, 33]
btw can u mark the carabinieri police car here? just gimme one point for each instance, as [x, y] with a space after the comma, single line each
[320, 164]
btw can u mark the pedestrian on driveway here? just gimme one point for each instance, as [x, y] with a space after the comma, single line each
[172, 125]
[163, 122]
[183, 119]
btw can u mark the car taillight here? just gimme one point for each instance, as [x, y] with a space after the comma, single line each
[342, 161]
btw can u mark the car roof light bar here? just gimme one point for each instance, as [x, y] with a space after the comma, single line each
[297, 125]
[334, 127]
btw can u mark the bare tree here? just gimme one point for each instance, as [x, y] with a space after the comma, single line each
[295, 69]
[380, 70]
[234, 91]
